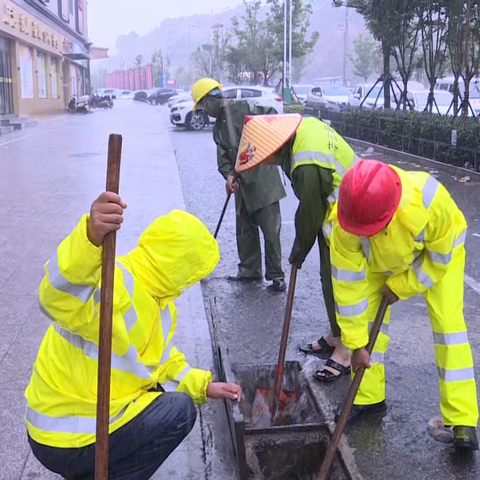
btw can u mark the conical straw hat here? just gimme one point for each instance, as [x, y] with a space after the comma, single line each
[262, 136]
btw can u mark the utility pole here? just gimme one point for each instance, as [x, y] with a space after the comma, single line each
[287, 49]
[346, 48]
[290, 47]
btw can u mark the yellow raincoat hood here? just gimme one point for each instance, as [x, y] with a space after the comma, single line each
[173, 253]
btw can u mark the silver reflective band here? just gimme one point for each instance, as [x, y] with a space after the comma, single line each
[456, 375]
[87, 425]
[327, 229]
[365, 246]
[460, 239]
[352, 310]
[126, 363]
[97, 295]
[457, 338]
[377, 357]
[420, 238]
[384, 328]
[334, 196]
[443, 258]
[172, 385]
[348, 275]
[420, 273]
[326, 158]
[130, 316]
[83, 292]
[429, 191]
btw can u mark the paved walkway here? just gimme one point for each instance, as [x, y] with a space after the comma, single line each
[49, 177]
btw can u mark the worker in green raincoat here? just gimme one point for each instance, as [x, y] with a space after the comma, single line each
[315, 158]
[257, 193]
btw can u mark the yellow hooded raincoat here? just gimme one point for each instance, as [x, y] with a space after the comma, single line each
[421, 251]
[173, 253]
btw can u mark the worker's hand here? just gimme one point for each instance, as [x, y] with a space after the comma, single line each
[232, 185]
[360, 358]
[106, 215]
[218, 390]
[389, 295]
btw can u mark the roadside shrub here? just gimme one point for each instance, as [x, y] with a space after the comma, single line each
[423, 134]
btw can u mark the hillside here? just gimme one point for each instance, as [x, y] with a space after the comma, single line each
[183, 35]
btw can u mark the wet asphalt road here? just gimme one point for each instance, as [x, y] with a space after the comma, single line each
[250, 321]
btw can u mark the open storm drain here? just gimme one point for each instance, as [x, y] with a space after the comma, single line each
[294, 448]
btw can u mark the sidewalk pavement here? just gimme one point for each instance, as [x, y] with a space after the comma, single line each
[48, 178]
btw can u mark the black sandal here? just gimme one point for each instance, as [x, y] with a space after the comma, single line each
[326, 376]
[325, 348]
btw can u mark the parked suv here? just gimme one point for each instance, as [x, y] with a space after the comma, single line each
[160, 96]
[182, 114]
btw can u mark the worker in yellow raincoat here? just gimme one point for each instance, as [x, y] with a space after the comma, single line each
[399, 234]
[153, 389]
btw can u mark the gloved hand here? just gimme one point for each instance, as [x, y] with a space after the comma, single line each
[232, 185]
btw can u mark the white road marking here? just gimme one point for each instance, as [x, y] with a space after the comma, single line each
[473, 284]
[14, 140]
[230, 224]
[476, 234]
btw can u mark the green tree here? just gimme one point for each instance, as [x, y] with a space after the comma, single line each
[210, 59]
[384, 20]
[138, 61]
[257, 53]
[365, 61]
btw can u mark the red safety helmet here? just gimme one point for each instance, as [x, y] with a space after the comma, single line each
[369, 195]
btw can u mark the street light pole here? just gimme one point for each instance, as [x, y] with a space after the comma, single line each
[284, 48]
[290, 44]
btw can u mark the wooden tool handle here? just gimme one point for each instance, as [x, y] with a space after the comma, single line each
[347, 406]
[277, 389]
[106, 311]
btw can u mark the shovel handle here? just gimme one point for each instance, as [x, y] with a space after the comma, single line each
[347, 406]
[277, 389]
[106, 310]
[225, 206]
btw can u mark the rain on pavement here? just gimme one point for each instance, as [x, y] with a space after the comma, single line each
[47, 184]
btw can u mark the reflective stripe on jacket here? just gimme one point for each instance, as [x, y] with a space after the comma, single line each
[413, 251]
[316, 143]
[62, 393]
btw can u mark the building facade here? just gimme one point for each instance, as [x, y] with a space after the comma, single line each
[44, 55]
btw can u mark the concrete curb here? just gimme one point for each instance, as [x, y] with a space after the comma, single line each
[402, 156]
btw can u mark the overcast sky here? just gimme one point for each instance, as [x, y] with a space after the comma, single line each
[110, 18]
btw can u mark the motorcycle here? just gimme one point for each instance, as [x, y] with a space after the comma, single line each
[79, 107]
[104, 102]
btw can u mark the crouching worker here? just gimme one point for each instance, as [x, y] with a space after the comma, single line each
[153, 389]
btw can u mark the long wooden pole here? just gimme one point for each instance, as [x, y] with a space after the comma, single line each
[347, 406]
[277, 389]
[106, 310]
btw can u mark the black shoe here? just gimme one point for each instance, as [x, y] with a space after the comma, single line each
[241, 278]
[361, 411]
[278, 286]
[465, 438]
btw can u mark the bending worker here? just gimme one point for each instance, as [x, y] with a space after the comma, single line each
[153, 389]
[257, 193]
[315, 158]
[400, 234]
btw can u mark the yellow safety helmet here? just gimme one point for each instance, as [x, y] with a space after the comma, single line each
[202, 87]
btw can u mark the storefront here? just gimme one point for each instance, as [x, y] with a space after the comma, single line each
[6, 77]
[41, 66]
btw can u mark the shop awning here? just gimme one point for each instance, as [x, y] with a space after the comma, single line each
[77, 56]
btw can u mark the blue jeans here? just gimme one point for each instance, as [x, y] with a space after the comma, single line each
[136, 450]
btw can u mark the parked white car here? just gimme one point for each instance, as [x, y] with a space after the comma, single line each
[361, 90]
[443, 101]
[126, 95]
[182, 114]
[447, 85]
[333, 93]
[184, 97]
